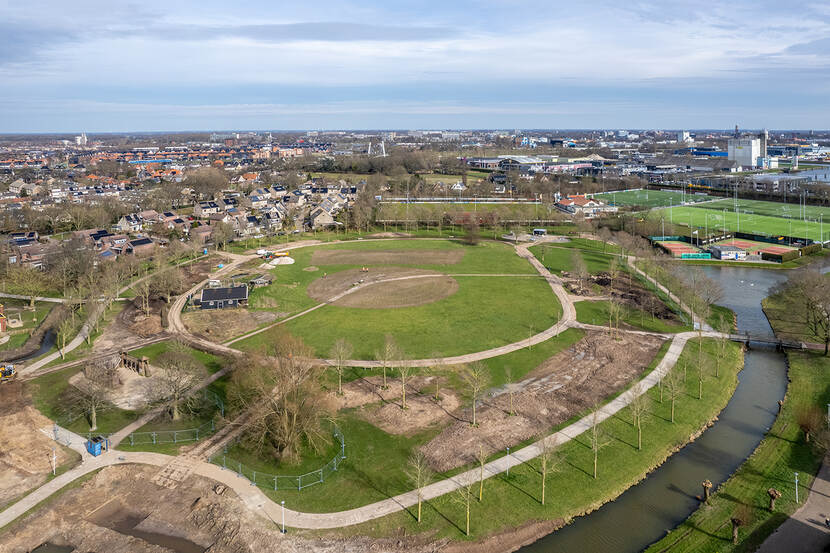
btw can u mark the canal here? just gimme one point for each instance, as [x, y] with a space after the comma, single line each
[644, 513]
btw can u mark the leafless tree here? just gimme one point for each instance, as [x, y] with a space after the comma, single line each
[742, 516]
[548, 459]
[580, 270]
[814, 290]
[481, 457]
[477, 378]
[615, 309]
[773, 495]
[707, 490]
[464, 497]
[511, 386]
[405, 370]
[340, 352]
[640, 405]
[179, 373]
[419, 475]
[388, 352]
[64, 332]
[675, 387]
[91, 394]
[286, 404]
[810, 419]
[597, 437]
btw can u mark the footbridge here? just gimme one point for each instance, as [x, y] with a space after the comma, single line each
[768, 340]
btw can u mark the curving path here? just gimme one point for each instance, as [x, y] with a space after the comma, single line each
[259, 503]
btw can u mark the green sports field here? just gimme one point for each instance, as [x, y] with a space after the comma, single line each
[650, 198]
[772, 209]
[714, 220]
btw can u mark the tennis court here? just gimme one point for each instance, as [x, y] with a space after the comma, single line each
[752, 247]
[677, 249]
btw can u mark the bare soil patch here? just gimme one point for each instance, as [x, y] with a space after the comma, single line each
[391, 235]
[382, 407]
[311, 269]
[568, 383]
[26, 453]
[220, 325]
[628, 291]
[371, 292]
[387, 257]
[97, 516]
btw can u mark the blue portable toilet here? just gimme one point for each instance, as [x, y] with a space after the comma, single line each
[97, 445]
[204, 251]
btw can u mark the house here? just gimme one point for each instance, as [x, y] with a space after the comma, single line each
[202, 234]
[320, 218]
[141, 246]
[220, 298]
[205, 209]
[727, 252]
[129, 223]
[582, 205]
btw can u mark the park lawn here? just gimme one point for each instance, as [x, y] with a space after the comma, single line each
[510, 502]
[46, 393]
[213, 363]
[288, 295]
[698, 217]
[31, 319]
[596, 312]
[484, 313]
[782, 452]
[559, 259]
[589, 244]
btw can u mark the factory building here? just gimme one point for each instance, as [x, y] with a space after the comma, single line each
[744, 151]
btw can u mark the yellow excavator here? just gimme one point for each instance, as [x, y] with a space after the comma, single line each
[7, 373]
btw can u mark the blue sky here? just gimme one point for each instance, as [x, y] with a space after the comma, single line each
[182, 65]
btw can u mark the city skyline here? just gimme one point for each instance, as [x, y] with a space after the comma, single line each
[370, 66]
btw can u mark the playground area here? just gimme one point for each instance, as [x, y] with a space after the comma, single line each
[677, 248]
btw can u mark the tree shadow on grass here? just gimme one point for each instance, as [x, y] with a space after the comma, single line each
[512, 484]
[449, 521]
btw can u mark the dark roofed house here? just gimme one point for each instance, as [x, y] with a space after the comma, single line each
[219, 298]
[141, 246]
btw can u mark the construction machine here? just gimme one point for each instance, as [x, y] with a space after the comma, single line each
[7, 373]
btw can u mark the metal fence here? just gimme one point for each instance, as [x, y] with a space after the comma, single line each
[280, 482]
[184, 435]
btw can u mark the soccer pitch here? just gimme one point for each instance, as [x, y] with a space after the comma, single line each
[714, 220]
[773, 209]
[650, 198]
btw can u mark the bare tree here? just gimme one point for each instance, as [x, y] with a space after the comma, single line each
[340, 352]
[464, 497]
[388, 352]
[420, 475]
[481, 457]
[548, 459]
[814, 291]
[405, 370]
[597, 437]
[91, 394]
[640, 405]
[179, 373]
[615, 309]
[810, 419]
[477, 378]
[675, 387]
[143, 293]
[166, 282]
[707, 489]
[64, 332]
[773, 495]
[580, 270]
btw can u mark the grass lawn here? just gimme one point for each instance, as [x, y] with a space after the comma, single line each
[773, 463]
[596, 312]
[772, 209]
[485, 312]
[512, 501]
[213, 363]
[649, 198]
[46, 394]
[749, 222]
[558, 259]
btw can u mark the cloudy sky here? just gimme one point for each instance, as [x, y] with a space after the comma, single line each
[186, 65]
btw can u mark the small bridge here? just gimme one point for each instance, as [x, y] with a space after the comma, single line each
[767, 340]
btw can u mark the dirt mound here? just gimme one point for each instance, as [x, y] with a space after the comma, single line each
[384, 411]
[311, 269]
[568, 383]
[221, 325]
[382, 288]
[387, 257]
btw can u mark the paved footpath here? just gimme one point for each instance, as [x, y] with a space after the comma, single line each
[259, 503]
[805, 530]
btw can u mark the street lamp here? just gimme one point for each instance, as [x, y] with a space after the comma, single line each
[283, 515]
[508, 461]
[796, 487]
